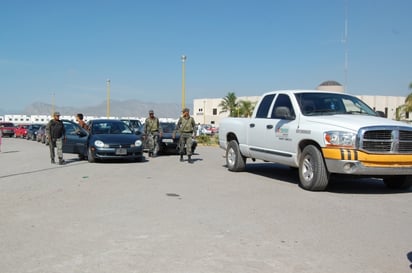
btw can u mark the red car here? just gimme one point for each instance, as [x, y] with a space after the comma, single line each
[21, 131]
[7, 129]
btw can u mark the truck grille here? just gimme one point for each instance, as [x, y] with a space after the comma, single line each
[385, 139]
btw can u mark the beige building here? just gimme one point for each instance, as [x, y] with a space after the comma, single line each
[208, 111]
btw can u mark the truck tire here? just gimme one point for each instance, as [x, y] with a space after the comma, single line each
[313, 175]
[235, 161]
[402, 182]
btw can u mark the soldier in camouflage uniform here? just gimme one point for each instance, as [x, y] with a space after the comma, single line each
[57, 135]
[186, 127]
[153, 129]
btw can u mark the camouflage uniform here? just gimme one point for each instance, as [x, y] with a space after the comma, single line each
[152, 129]
[186, 127]
[56, 133]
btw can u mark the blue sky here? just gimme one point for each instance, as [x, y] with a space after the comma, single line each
[70, 48]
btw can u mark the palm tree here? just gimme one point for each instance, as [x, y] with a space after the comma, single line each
[408, 100]
[405, 108]
[229, 104]
[246, 108]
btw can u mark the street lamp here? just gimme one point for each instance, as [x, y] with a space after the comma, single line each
[53, 98]
[108, 98]
[204, 112]
[183, 58]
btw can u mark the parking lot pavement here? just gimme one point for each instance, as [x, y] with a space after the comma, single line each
[163, 215]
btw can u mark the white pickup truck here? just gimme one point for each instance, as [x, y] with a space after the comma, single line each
[320, 133]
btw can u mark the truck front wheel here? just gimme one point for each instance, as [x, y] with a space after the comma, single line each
[235, 161]
[313, 174]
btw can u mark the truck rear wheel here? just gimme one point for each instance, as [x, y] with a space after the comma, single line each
[235, 161]
[313, 174]
[398, 182]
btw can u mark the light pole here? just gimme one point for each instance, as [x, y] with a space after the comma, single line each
[183, 58]
[52, 110]
[204, 112]
[108, 98]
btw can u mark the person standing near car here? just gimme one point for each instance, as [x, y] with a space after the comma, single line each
[56, 134]
[186, 127]
[80, 121]
[152, 129]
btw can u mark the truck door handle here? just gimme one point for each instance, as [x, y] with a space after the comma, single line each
[252, 125]
[269, 126]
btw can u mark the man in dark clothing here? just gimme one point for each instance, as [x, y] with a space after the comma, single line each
[186, 127]
[56, 134]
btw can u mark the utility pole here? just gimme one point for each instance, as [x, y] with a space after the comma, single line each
[108, 98]
[183, 58]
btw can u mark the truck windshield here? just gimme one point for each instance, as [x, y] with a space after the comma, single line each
[315, 104]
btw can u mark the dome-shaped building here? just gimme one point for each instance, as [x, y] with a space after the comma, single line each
[330, 86]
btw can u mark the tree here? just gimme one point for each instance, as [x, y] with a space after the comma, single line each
[405, 108]
[245, 108]
[408, 100]
[229, 104]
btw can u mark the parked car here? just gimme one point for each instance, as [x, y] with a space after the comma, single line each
[207, 129]
[168, 144]
[32, 131]
[107, 139]
[7, 129]
[41, 135]
[21, 130]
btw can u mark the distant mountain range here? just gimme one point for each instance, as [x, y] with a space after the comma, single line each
[127, 108]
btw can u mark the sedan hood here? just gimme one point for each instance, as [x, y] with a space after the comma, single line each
[116, 138]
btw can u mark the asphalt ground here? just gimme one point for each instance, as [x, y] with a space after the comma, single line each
[167, 216]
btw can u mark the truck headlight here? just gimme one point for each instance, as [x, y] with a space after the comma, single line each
[138, 143]
[339, 138]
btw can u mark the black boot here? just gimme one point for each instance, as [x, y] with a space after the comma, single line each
[189, 159]
[61, 161]
[181, 158]
[52, 161]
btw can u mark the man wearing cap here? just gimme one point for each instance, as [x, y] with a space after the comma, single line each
[186, 127]
[57, 134]
[153, 130]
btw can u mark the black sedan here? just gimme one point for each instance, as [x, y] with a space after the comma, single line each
[168, 144]
[107, 139]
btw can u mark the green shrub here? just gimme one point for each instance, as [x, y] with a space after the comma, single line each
[207, 140]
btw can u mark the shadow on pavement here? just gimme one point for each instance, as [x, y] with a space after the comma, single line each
[337, 183]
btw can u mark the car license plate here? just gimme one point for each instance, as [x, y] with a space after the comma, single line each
[167, 140]
[121, 151]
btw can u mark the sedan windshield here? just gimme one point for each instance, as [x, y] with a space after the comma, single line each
[168, 127]
[315, 104]
[110, 127]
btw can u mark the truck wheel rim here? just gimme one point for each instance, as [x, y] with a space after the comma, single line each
[307, 169]
[231, 157]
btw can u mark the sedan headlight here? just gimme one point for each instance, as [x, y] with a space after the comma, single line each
[99, 143]
[339, 138]
[138, 143]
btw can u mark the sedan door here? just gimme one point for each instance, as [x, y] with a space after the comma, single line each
[76, 138]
